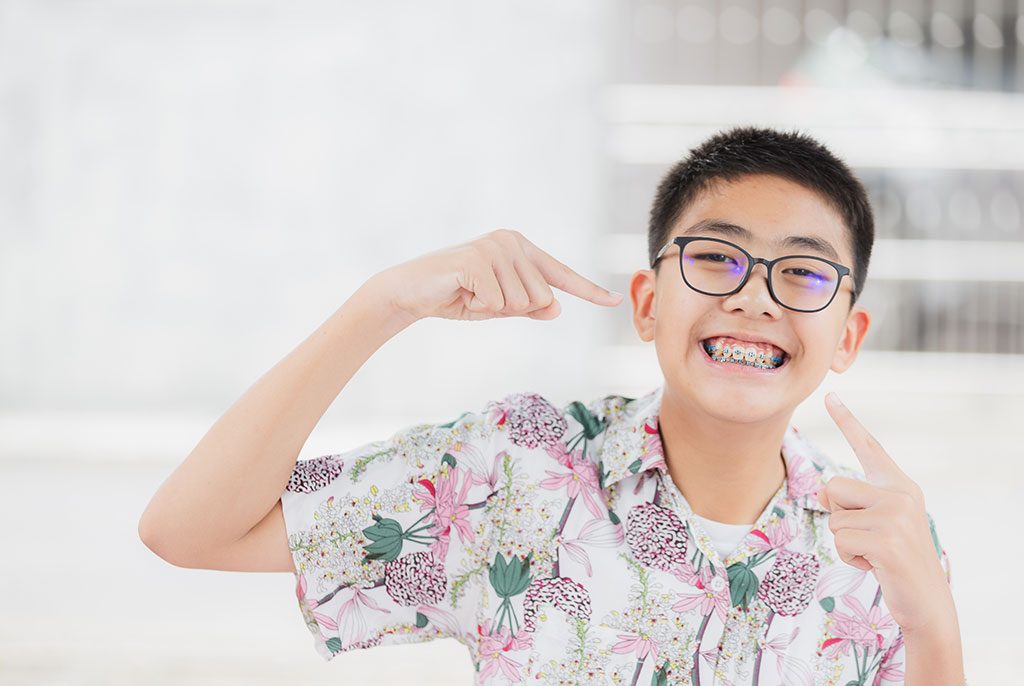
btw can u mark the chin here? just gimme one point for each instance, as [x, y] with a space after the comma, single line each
[737, 407]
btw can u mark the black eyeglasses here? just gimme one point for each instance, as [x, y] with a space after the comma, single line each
[712, 266]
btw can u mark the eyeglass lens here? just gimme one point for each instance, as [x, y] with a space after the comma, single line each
[803, 283]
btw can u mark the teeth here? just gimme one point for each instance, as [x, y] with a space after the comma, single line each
[742, 355]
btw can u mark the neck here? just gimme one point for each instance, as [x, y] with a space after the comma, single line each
[727, 472]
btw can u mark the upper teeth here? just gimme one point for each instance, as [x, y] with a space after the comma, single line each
[760, 354]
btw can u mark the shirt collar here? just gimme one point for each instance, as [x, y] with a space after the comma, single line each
[632, 445]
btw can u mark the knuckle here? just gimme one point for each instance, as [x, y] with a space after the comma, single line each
[907, 501]
[503, 234]
[518, 303]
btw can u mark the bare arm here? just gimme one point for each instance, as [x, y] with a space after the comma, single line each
[235, 475]
[220, 508]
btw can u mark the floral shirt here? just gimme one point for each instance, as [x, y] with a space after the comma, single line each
[552, 543]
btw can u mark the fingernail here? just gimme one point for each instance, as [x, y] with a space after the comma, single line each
[614, 294]
[835, 400]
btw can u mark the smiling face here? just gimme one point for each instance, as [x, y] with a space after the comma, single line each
[677, 318]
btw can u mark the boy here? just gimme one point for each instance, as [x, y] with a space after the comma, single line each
[688, 536]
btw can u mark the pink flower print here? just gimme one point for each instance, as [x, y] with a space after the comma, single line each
[774, 536]
[711, 594]
[351, 622]
[839, 580]
[685, 572]
[889, 670]
[800, 482]
[656, 536]
[848, 629]
[442, 619]
[600, 533]
[873, 622]
[309, 476]
[565, 594]
[482, 469]
[788, 587]
[653, 454]
[416, 578]
[558, 451]
[581, 480]
[778, 647]
[321, 620]
[493, 649]
[641, 644]
[450, 508]
[530, 419]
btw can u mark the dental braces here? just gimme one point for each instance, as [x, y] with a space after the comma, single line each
[727, 357]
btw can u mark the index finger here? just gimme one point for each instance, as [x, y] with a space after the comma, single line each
[562, 277]
[879, 467]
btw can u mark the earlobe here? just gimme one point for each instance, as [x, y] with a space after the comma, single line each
[854, 331]
[641, 292]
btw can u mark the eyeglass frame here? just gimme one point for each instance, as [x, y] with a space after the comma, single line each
[681, 241]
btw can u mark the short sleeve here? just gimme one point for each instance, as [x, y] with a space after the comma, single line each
[387, 538]
[891, 666]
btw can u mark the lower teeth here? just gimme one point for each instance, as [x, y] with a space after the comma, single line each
[712, 354]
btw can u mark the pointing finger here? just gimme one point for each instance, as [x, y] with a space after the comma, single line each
[563, 277]
[879, 467]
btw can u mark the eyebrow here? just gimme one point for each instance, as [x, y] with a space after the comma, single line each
[725, 228]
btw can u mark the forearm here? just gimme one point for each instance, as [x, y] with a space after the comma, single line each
[934, 654]
[237, 471]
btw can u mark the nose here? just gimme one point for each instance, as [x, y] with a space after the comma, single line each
[754, 297]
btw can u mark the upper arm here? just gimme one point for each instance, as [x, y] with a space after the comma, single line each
[263, 549]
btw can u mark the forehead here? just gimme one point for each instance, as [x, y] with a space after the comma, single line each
[767, 213]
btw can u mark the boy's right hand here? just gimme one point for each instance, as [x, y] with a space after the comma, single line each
[499, 274]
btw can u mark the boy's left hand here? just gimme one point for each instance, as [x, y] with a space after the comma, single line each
[881, 525]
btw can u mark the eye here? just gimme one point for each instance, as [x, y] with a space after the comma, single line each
[807, 273]
[704, 256]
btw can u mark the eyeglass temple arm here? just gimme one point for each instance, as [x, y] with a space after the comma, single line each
[663, 249]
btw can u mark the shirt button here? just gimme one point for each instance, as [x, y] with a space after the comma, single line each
[717, 584]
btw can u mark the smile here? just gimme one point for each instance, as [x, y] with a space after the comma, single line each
[744, 357]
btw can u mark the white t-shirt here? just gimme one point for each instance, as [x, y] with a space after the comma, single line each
[724, 537]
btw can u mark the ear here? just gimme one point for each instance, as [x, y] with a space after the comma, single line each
[854, 330]
[641, 292]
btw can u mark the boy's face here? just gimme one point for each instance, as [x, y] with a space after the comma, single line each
[677, 318]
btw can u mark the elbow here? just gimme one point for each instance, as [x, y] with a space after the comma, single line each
[152, 539]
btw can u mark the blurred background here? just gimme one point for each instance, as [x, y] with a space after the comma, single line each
[188, 189]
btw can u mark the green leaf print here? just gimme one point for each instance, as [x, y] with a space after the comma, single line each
[453, 422]
[592, 426]
[660, 676]
[512, 577]
[449, 459]
[634, 466]
[334, 644]
[421, 620]
[386, 535]
[935, 537]
[742, 584]
[828, 603]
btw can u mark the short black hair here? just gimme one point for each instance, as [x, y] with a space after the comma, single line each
[748, 150]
